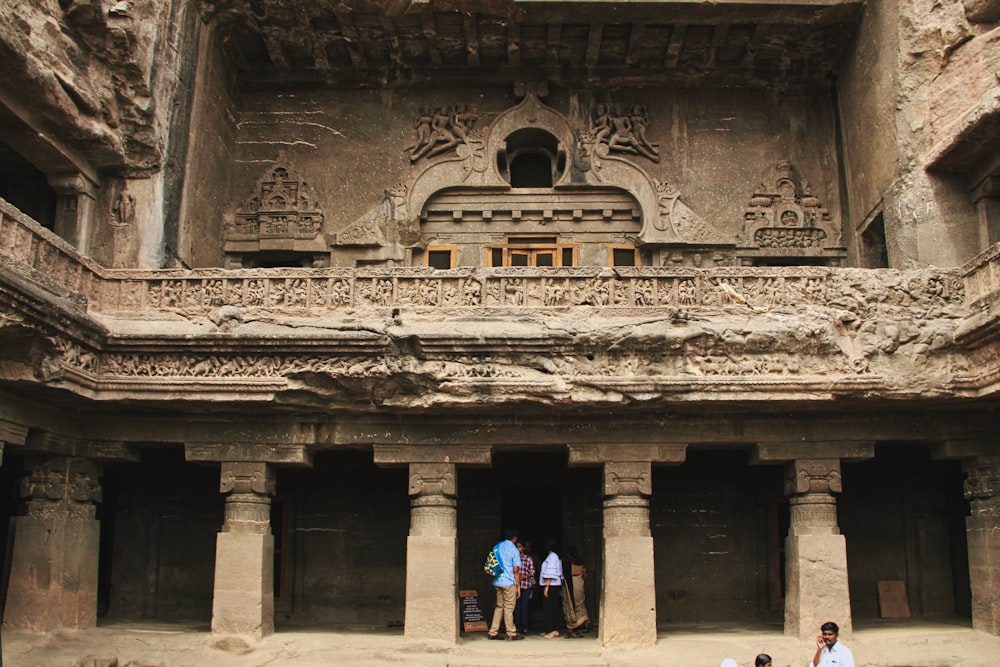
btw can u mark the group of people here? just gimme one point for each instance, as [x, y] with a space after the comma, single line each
[561, 586]
[829, 651]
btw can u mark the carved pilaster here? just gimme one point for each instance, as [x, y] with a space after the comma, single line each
[54, 560]
[627, 487]
[982, 490]
[250, 486]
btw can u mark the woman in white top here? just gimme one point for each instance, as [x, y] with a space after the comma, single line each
[551, 580]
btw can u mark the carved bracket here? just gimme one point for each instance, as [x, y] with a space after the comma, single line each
[631, 478]
[247, 477]
[813, 476]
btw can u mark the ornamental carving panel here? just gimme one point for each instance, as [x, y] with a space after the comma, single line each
[785, 220]
[282, 206]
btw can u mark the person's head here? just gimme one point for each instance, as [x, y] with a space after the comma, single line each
[511, 535]
[527, 547]
[762, 660]
[520, 547]
[829, 632]
[550, 545]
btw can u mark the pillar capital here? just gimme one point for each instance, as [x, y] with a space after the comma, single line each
[627, 478]
[813, 476]
[433, 479]
[982, 482]
[239, 477]
[61, 486]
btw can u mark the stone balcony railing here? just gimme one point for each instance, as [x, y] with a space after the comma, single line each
[581, 331]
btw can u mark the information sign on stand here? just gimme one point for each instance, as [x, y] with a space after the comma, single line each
[472, 616]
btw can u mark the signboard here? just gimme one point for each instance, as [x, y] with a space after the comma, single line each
[473, 619]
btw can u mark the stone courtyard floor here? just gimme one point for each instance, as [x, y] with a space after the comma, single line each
[882, 644]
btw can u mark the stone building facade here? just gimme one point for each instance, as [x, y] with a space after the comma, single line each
[302, 303]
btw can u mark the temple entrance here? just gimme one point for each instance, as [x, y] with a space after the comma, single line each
[537, 494]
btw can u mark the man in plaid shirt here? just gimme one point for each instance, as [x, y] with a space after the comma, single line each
[527, 586]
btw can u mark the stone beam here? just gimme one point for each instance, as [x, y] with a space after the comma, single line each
[783, 452]
[63, 445]
[391, 455]
[297, 455]
[585, 455]
[964, 448]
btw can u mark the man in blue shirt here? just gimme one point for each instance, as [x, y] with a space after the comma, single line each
[508, 586]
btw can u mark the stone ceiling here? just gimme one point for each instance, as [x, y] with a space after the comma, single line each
[399, 42]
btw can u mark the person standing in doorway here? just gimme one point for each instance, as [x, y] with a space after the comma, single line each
[830, 652]
[527, 585]
[508, 586]
[575, 597]
[550, 579]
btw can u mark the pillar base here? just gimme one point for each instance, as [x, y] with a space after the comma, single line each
[817, 589]
[243, 603]
[431, 593]
[53, 574]
[983, 535]
[628, 606]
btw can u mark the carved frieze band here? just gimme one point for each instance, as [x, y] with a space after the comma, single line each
[813, 513]
[856, 291]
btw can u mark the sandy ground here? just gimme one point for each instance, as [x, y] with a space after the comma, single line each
[893, 644]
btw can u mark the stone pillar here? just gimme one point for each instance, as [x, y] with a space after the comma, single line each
[815, 551]
[75, 207]
[982, 490]
[53, 575]
[628, 604]
[243, 602]
[432, 554]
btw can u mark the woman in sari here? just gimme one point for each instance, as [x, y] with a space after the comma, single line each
[574, 597]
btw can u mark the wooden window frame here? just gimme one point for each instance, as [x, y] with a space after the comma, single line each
[513, 244]
[622, 246]
[452, 249]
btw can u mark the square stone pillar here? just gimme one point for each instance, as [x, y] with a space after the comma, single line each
[628, 602]
[815, 552]
[75, 207]
[243, 601]
[432, 554]
[53, 576]
[982, 490]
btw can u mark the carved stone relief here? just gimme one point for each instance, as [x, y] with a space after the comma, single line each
[58, 486]
[785, 219]
[281, 208]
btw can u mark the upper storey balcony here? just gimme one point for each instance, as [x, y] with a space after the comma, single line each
[417, 339]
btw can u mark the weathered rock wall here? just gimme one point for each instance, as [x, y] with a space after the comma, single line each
[916, 69]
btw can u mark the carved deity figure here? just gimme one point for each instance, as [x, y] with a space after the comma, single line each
[624, 130]
[441, 130]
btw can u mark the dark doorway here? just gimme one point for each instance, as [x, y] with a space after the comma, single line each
[535, 511]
